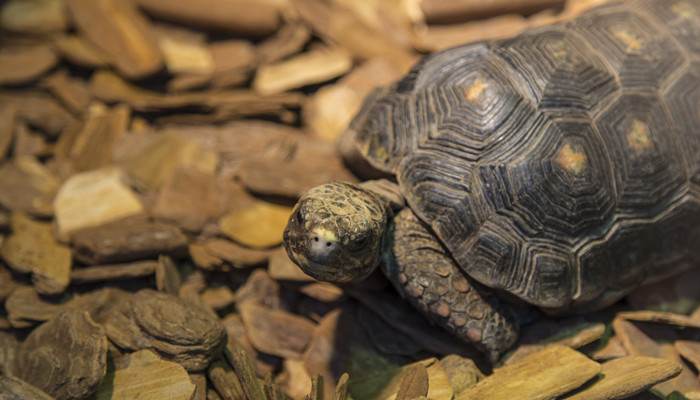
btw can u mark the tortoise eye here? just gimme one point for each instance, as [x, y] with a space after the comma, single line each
[360, 243]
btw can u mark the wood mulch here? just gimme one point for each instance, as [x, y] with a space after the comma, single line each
[150, 154]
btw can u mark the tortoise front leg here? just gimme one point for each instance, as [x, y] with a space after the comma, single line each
[425, 274]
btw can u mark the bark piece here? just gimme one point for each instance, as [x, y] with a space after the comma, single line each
[305, 69]
[32, 249]
[184, 52]
[120, 30]
[143, 374]
[575, 338]
[72, 92]
[543, 375]
[156, 162]
[627, 376]
[660, 317]
[382, 382]
[276, 332]
[261, 289]
[613, 349]
[76, 49]
[26, 63]
[245, 17]
[112, 272]
[288, 40]
[90, 145]
[213, 106]
[8, 350]
[65, 357]
[223, 254]
[39, 110]
[7, 283]
[27, 185]
[258, 226]
[178, 330]
[461, 372]
[190, 198]
[100, 303]
[414, 383]
[453, 11]
[12, 388]
[168, 278]
[294, 379]
[94, 198]
[224, 380]
[218, 298]
[278, 174]
[26, 309]
[29, 142]
[234, 61]
[34, 16]
[8, 112]
[127, 241]
[339, 25]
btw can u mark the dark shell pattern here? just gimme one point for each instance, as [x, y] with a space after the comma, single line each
[562, 165]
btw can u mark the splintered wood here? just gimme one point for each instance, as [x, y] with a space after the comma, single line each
[151, 152]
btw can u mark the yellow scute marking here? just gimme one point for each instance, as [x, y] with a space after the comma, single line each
[638, 136]
[629, 39]
[571, 160]
[477, 89]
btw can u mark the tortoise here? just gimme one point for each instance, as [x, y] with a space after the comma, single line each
[559, 168]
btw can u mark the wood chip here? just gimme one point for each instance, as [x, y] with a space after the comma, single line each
[65, 357]
[246, 17]
[120, 30]
[32, 249]
[25, 308]
[214, 106]
[282, 268]
[190, 198]
[294, 379]
[94, 198]
[72, 92]
[575, 337]
[461, 372]
[184, 51]
[112, 272]
[305, 69]
[15, 388]
[627, 376]
[24, 64]
[258, 226]
[224, 254]
[143, 374]
[543, 375]
[451, 11]
[690, 351]
[414, 383]
[218, 298]
[33, 17]
[660, 317]
[276, 332]
[224, 380]
[179, 330]
[386, 381]
[27, 185]
[288, 40]
[39, 110]
[78, 50]
[279, 174]
[90, 145]
[157, 161]
[168, 278]
[8, 113]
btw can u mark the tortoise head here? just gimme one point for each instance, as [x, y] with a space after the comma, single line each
[336, 232]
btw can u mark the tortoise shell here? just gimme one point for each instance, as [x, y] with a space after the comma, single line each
[561, 166]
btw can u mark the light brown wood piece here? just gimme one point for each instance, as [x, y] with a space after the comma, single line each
[144, 375]
[315, 66]
[23, 64]
[112, 272]
[543, 375]
[258, 226]
[452, 11]
[32, 249]
[34, 17]
[624, 377]
[121, 31]
[247, 17]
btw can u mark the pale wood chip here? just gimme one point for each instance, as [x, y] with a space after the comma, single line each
[78, 50]
[24, 64]
[34, 17]
[15, 388]
[313, 67]
[258, 226]
[33, 249]
[112, 272]
[25, 308]
[543, 375]
[624, 377]
[453, 11]
[73, 92]
[690, 351]
[27, 185]
[121, 31]
[660, 317]
[143, 374]
[224, 380]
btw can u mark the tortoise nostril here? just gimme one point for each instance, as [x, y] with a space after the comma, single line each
[328, 244]
[316, 239]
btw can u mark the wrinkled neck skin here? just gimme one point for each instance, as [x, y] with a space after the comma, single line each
[337, 232]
